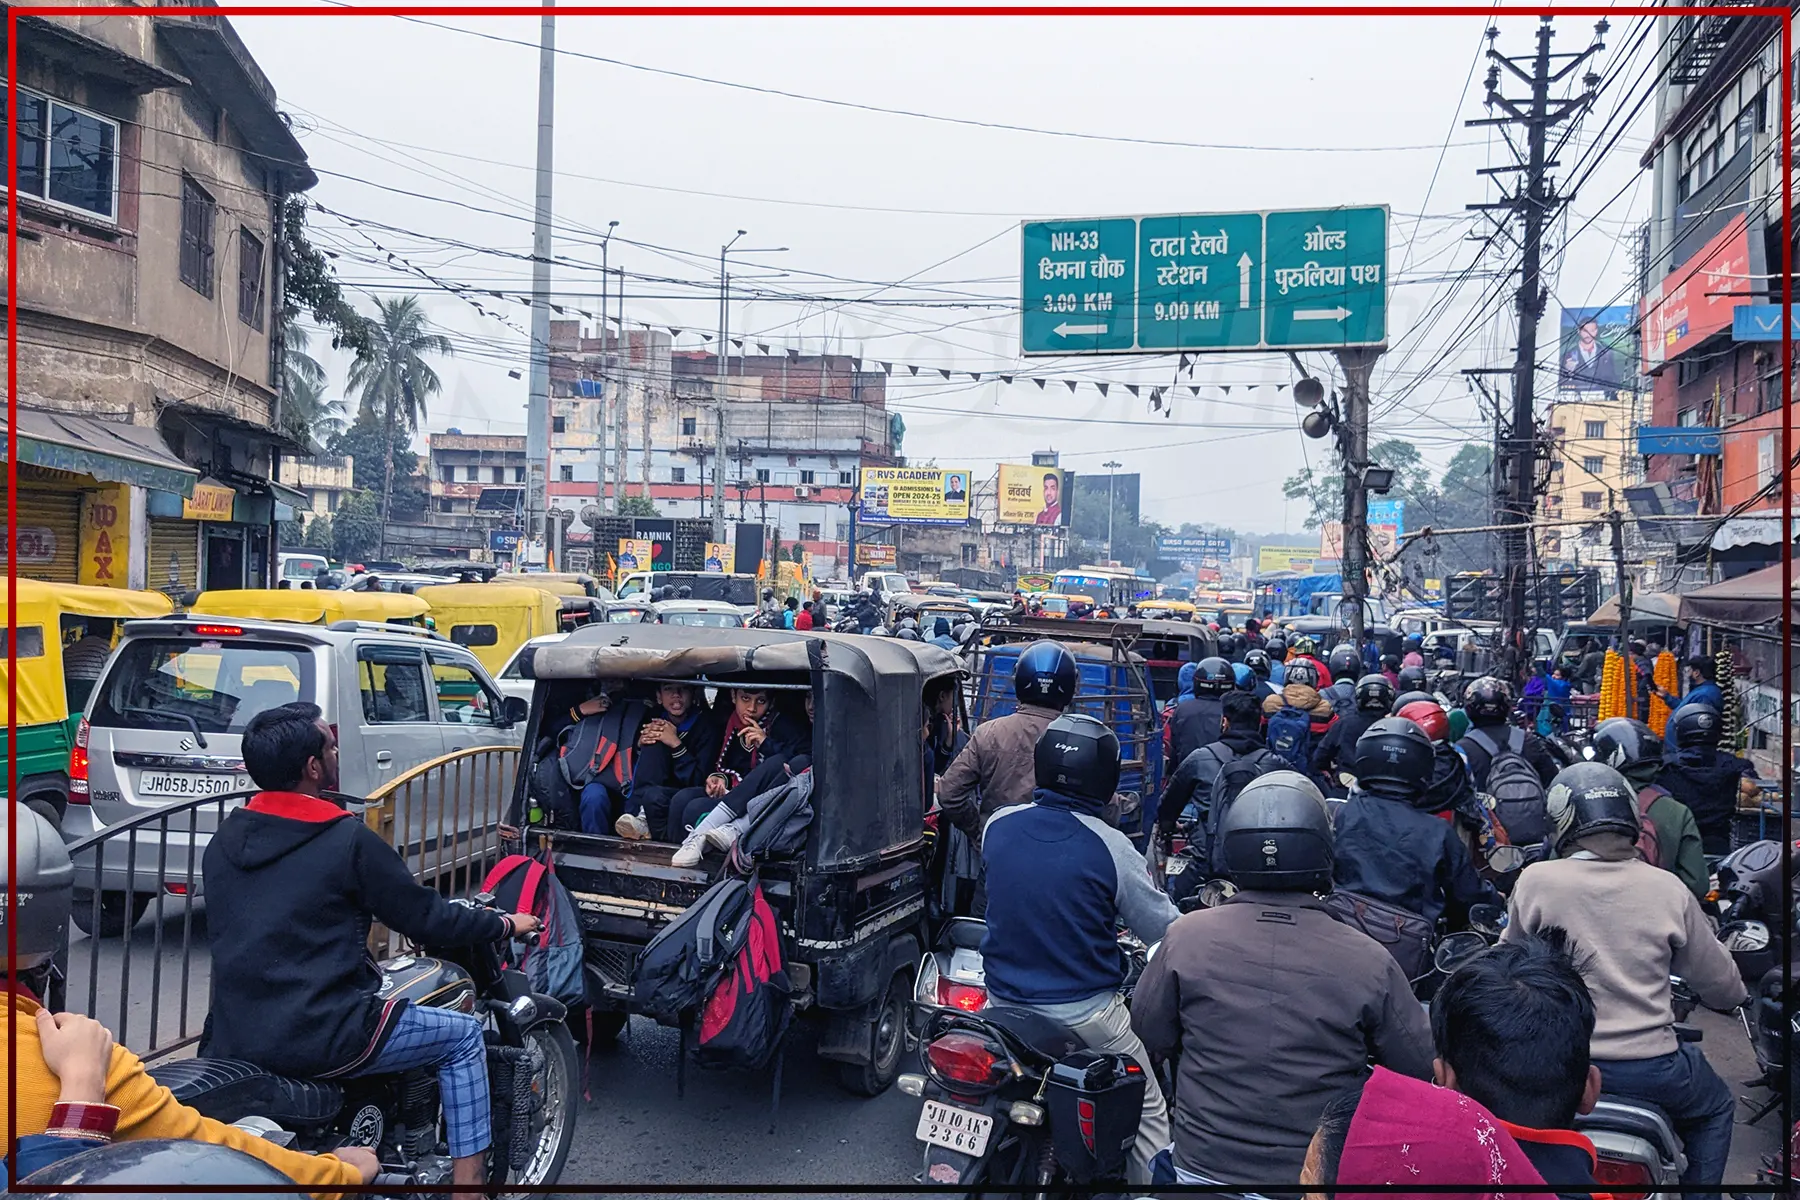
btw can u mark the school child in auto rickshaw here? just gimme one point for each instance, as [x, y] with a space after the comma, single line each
[674, 745]
[763, 745]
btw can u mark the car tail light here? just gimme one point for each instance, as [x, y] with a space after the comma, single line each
[967, 997]
[963, 1058]
[78, 765]
[1625, 1179]
[219, 630]
[176, 889]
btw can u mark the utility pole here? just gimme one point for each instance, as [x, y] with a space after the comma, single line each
[606, 375]
[1617, 521]
[620, 435]
[1110, 503]
[718, 515]
[537, 407]
[1534, 200]
[1359, 367]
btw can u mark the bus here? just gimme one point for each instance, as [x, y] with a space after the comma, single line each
[1115, 586]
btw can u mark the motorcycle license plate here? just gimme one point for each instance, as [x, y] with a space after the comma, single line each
[955, 1128]
[184, 786]
[1175, 866]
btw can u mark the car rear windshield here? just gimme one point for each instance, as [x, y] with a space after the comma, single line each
[163, 683]
[708, 620]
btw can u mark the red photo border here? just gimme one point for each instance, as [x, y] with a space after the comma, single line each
[1781, 13]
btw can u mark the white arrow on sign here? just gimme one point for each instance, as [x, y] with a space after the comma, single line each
[1244, 280]
[1321, 314]
[1067, 330]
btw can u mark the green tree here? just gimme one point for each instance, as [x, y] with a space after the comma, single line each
[304, 408]
[394, 378]
[638, 506]
[362, 443]
[356, 529]
[318, 533]
[310, 286]
[1322, 488]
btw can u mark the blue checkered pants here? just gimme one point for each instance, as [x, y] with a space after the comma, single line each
[451, 1042]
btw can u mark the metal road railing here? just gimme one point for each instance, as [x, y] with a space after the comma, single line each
[150, 983]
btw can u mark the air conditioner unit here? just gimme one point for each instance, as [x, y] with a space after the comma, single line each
[802, 492]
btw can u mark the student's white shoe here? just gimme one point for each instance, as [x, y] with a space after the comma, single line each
[632, 826]
[690, 851]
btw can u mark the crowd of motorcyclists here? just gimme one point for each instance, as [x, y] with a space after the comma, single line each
[1321, 788]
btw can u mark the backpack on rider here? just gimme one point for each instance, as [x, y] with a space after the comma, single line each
[1649, 842]
[1514, 784]
[1232, 778]
[554, 966]
[747, 1012]
[1289, 735]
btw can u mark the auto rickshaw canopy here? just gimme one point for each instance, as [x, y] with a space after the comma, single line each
[492, 619]
[309, 607]
[43, 697]
[868, 702]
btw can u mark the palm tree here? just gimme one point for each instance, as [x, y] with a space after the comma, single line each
[394, 378]
[299, 368]
[309, 410]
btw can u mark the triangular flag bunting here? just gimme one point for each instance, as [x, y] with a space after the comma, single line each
[1133, 389]
[1040, 384]
[1183, 365]
[975, 375]
[555, 308]
[1072, 384]
[1102, 388]
[1194, 388]
[1281, 387]
[941, 371]
[1226, 388]
[1006, 379]
[738, 342]
[887, 368]
[911, 370]
[706, 337]
[762, 348]
[674, 332]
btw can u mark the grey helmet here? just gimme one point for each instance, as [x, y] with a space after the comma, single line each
[45, 884]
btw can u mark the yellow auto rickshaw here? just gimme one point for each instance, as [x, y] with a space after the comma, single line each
[52, 695]
[1165, 610]
[311, 607]
[561, 583]
[492, 619]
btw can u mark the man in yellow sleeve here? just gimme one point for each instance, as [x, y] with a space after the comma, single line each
[135, 1105]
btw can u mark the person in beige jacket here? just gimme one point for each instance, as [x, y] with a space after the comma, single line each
[1630, 926]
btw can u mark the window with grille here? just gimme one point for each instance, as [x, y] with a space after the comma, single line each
[806, 477]
[559, 424]
[688, 426]
[197, 214]
[1590, 500]
[846, 478]
[1594, 429]
[568, 474]
[1594, 464]
[809, 533]
[250, 279]
[762, 474]
[67, 155]
[677, 474]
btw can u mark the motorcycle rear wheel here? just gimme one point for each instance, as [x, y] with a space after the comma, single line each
[557, 1087]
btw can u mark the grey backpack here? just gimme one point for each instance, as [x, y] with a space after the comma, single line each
[1514, 784]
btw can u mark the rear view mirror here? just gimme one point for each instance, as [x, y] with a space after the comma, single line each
[1457, 950]
[1745, 937]
[1216, 892]
[1487, 918]
[514, 709]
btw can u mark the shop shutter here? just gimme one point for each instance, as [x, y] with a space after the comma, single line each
[58, 514]
[179, 540]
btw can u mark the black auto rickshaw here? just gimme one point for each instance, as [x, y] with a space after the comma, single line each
[851, 904]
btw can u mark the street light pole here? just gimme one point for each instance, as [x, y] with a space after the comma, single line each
[605, 375]
[1110, 468]
[718, 514]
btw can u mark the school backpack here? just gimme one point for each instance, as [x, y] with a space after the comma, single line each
[747, 1012]
[552, 800]
[1649, 842]
[1402, 933]
[1290, 736]
[1514, 784]
[676, 968]
[525, 885]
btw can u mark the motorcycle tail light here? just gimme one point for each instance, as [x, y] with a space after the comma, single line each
[962, 1058]
[1623, 1178]
[78, 765]
[964, 996]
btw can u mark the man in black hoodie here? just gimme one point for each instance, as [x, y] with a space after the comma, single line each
[293, 883]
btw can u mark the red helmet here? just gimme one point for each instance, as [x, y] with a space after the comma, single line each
[1428, 716]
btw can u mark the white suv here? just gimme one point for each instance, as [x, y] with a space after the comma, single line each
[166, 720]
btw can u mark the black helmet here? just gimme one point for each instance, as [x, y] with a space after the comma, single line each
[1078, 756]
[153, 1162]
[1406, 698]
[45, 884]
[1045, 676]
[1277, 648]
[1412, 679]
[1394, 759]
[1390, 662]
[1695, 725]
[909, 623]
[1302, 671]
[1628, 746]
[1276, 835]
[1374, 694]
[909, 635]
[1212, 676]
[1487, 700]
[1589, 798]
[1258, 662]
[1228, 644]
[1344, 662]
[768, 593]
[684, 592]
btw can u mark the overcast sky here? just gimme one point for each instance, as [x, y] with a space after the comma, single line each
[428, 129]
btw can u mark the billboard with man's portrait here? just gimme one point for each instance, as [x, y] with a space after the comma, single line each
[1597, 350]
[1034, 496]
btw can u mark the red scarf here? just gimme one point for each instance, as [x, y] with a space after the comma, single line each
[734, 726]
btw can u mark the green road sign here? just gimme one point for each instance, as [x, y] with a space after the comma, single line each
[1080, 277]
[1291, 280]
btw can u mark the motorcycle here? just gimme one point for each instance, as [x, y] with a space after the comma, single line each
[1013, 1101]
[533, 1081]
[1637, 1150]
[1749, 890]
